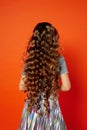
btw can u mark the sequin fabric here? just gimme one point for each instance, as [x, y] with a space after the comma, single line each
[34, 121]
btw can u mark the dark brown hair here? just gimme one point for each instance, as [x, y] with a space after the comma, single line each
[41, 65]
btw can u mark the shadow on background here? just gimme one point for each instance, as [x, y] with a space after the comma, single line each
[70, 101]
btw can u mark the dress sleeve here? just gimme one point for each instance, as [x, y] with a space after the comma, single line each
[23, 72]
[63, 65]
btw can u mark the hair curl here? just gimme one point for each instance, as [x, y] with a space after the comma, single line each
[42, 67]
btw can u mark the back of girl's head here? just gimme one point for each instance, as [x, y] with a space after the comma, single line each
[43, 29]
[43, 26]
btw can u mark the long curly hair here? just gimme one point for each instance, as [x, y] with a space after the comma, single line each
[41, 65]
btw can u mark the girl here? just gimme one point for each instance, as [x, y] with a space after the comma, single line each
[44, 74]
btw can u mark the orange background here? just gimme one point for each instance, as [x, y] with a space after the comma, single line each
[18, 18]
